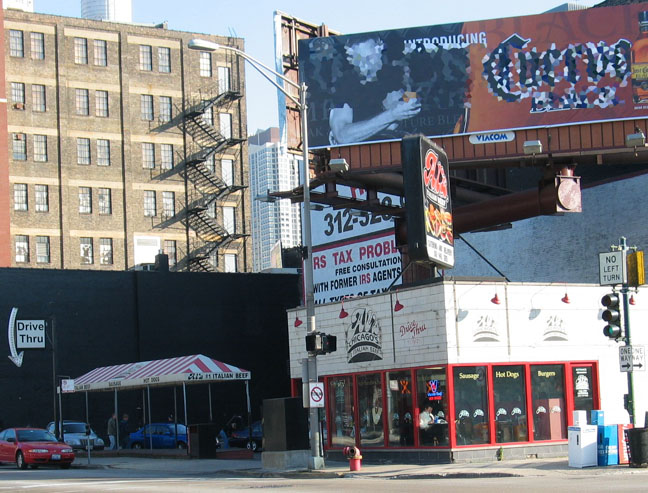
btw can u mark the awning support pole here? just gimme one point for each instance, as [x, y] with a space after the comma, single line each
[211, 415]
[117, 418]
[249, 413]
[175, 415]
[184, 398]
[148, 393]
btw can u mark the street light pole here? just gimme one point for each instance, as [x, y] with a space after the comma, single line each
[316, 460]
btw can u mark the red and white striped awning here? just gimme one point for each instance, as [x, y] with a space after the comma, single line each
[196, 368]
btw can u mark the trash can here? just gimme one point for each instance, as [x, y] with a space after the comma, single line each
[638, 445]
[202, 440]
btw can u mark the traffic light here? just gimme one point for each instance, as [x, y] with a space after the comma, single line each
[611, 315]
[319, 343]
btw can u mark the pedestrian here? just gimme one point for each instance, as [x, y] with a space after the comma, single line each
[112, 431]
[123, 431]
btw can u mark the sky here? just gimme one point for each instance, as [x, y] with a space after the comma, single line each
[252, 20]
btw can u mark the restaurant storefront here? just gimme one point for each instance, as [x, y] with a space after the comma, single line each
[455, 377]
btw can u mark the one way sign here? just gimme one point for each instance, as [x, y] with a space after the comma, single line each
[632, 358]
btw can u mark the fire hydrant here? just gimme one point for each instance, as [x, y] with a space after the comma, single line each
[355, 459]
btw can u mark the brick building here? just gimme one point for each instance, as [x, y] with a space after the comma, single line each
[122, 142]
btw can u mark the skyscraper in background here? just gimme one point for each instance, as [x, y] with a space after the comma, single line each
[107, 10]
[272, 169]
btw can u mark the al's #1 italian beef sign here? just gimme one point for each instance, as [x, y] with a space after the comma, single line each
[430, 236]
[543, 70]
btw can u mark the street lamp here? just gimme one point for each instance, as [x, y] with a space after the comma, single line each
[317, 461]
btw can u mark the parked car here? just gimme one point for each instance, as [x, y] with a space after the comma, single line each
[240, 437]
[74, 434]
[162, 435]
[33, 447]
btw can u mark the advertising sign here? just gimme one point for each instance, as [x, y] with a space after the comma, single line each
[558, 68]
[427, 196]
[359, 267]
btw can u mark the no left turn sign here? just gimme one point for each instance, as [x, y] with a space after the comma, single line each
[316, 393]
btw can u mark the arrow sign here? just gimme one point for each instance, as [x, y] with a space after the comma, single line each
[15, 358]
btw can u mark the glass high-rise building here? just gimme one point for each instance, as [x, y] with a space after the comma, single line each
[272, 169]
[107, 10]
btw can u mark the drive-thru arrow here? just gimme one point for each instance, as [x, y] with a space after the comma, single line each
[15, 358]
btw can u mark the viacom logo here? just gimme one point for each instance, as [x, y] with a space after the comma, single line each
[363, 336]
[491, 137]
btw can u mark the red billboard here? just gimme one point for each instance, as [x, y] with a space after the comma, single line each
[544, 70]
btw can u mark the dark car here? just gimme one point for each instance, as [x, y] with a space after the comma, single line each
[240, 437]
[159, 435]
[34, 447]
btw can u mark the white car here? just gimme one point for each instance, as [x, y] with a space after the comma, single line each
[74, 434]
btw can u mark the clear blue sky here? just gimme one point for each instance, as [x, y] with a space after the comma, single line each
[253, 21]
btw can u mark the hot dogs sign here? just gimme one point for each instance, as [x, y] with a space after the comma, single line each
[427, 199]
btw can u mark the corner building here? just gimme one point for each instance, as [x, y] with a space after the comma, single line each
[122, 143]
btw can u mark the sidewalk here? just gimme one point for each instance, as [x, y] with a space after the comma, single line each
[253, 468]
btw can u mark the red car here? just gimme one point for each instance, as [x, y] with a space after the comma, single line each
[34, 446]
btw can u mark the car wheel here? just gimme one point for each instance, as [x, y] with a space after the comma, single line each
[252, 446]
[20, 461]
[182, 445]
[137, 446]
[65, 466]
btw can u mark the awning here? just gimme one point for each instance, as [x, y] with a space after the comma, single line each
[196, 368]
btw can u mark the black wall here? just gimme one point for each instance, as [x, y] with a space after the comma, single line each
[108, 318]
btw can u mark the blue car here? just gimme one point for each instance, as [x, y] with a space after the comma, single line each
[160, 435]
[241, 437]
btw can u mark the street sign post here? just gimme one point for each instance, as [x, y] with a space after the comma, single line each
[632, 358]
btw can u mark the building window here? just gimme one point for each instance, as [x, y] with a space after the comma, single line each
[85, 200]
[41, 193]
[370, 409]
[87, 254]
[341, 405]
[471, 405]
[432, 393]
[166, 156]
[146, 58]
[227, 172]
[101, 103]
[20, 197]
[37, 46]
[105, 251]
[39, 101]
[213, 259]
[399, 408]
[164, 59]
[208, 116]
[223, 79]
[103, 152]
[149, 203]
[16, 43]
[19, 147]
[205, 64]
[22, 249]
[100, 53]
[83, 150]
[229, 222]
[148, 155]
[509, 392]
[81, 50]
[225, 122]
[211, 209]
[210, 163]
[43, 249]
[40, 148]
[170, 250]
[168, 204]
[548, 401]
[82, 102]
[18, 95]
[146, 107]
[165, 109]
[105, 201]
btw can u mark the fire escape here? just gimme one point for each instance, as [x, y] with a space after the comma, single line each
[209, 188]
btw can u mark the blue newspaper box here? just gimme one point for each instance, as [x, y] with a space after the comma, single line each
[608, 445]
[596, 417]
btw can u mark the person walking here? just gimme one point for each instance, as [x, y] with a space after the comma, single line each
[123, 431]
[112, 431]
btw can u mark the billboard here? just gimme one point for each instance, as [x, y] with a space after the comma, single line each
[560, 68]
[430, 236]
